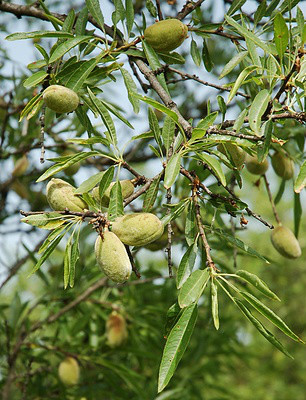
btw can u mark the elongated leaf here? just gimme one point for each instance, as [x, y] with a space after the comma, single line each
[35, 79]
[106, 180]
[115, 208]
[154, 126]
[60, 166]
[151, 195]
[193, 288]
[203, 125]
[46, 254]
[75, 255]
[252, 50]
[195, 53]
[214, 303]
[258, 107]
[89, 183]
[168, 132]
[131, 89]
[236, 5]
[38, 34]
[262, 151]
[261, 329]
[232, 63]
[119, 13]
[45, 221]
[172, 170]
[186, 265]
[129, 15]
[257, 283]
[270, 315]
[77, 79]
[30, 106]
[300, 181]
[51, 237]
[154, 63]
[158, 106]
[105, 116]
[281, 34]
[67, 258]
[297, 211]
[206, 57]
[215, 165]
[240, 120]
[176, 211]
[81, 22]
[114, 111]
[176, 345]
[172, 58]
[248, 34]
[239, 81]
[95, 10]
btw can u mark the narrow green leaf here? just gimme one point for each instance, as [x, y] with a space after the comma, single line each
[52, 236]
[239, 81]
[115, 208]
[81, 22]
[35, 79]
[215, 165]
[74, 159]
[236, 5]
[260, 12]
[222, 106]
[38, 34]
[114, 111]
[262, 151]
[154, 63]
[67, 258]
[158, 106]
[106, 180]
[280, 192]
[50, 220]
[193, 287]
[203, 125]
[176, 345]
[257, 109]
[297, 211]
[240, 120]
[89, 183]
[206, 57]
[168, 132]
[281, 34]
[186, 265]
[270, 315]
[151, 8]
[79, 76]
[154, 126]
[300, 181]
[214, 303]
[30, 106]
[248, 34]
[69, 44]
[232, 63]
[119, 13]
[151, 195]
[131, 89]
[129, 15]
[257, 283]
[172, 170]
[172, 58]
[75, 255]
[105, 116]
[261, 329]
[300, 22]
[190, 224]
[95, 10]
[176, 211]
[195, 53]
[252, 50]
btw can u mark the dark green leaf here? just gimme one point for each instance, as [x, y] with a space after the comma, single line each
[172, 170]
[95, 10]
[236, 5]
[193, 287]
[115, 208]
[151, 195]
[38, 34]
[206, 57]
[168, 132]
[186, 265]
[89, 183]
[298, 211]
[106, 180]
[281, 34]
[257, 283]
[214, 303]
[195, 53]
[35, 79]
[131, 89]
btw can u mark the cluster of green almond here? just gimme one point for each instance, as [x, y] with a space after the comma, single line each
[137, 229]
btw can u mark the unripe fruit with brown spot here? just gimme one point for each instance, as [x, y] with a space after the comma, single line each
[138, 229]
[282, 165]
[21, 166]
[127, 189]
[69, 371]
[116, 330]
[60, 195]
[166, 35]
[112, 257]
[237, 154]
[285, 242]
[255, 167]
[60, 99]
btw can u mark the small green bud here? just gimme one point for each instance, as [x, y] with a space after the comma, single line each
[285, 242]
[283, 165]
[60, 99]
[166, 35]
[255, 167]
[60, 195]
[138, 229]
[112, 257]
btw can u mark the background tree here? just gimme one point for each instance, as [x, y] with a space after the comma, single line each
[157, 116]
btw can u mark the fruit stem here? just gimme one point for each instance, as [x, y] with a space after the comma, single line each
[271, 199]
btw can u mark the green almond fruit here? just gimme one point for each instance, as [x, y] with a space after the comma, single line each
[166, 35]
[112, 257]
[255, 167]
[60, 195]
[127, 189]
[283, 165]
[69, 371]
[236, 153]
[60, 99]
[138, 229]
[285, 242]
